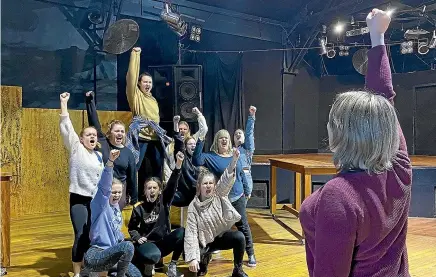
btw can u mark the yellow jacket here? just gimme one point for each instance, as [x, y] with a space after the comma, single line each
[140, 103]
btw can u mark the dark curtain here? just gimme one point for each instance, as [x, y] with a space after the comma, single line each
[223, 101]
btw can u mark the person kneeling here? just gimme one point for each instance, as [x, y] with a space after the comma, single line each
[150, 226]
[108, 247]
[210, 218]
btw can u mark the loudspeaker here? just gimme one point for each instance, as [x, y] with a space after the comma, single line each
[178, 89]
[259, 195]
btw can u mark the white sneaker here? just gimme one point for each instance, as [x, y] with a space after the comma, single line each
[172, 270]
[216, 252]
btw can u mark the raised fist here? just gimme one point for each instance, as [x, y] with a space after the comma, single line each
[180, 157]
[64, 97]
[176, 119]
[378, 21]
[89, 94]
[114, 154]
[137, 49]
[196, 111]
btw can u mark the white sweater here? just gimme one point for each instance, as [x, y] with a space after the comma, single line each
[85, 166]
[209, 218]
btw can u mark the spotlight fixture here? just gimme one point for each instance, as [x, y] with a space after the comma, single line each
[407, 47]
[357, 32]
[324, 29]
[423, 46]
[174, 20]
[195, 33]
[344, 50]
[339, 28]
[331, 52]
[432, 43]
[322, 44]
[414, 33]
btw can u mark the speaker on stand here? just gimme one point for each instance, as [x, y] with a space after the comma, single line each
[177, 89]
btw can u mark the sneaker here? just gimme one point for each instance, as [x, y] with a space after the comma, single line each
[205, 260]
[239, 272]
[172, 270]
[148, 270]
[252, 261]
[216, 252]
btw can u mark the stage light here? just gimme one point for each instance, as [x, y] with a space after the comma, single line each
[423, 46]
[390, 12]
[432, 43]
[352, 20]
[343, 50]
[174, 20]
[324, 29]
[407, 47]
[322, 44]
[195, 33]
[339, 28]
[331, 52]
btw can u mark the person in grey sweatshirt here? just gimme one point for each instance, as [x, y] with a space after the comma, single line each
[108, 247]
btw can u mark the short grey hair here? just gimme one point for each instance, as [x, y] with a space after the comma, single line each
[221, 133]
[363, 131]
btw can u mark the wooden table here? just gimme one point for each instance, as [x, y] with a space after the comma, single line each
[306, 165]
[5, 218]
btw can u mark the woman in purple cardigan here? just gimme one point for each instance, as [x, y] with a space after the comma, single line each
[356, 224]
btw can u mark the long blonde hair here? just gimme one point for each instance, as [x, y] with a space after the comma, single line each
[215, 146]
[363, 131]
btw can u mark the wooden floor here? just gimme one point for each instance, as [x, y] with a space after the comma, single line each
[41, 247]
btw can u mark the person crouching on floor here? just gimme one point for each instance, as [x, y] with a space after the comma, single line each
[211, 216]
[108, 247]
[150, 226]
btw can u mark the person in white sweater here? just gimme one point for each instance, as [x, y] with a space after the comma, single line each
[85, 169]
[211, 216]
[183, 128]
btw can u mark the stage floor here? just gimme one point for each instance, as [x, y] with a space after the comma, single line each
[41, 246]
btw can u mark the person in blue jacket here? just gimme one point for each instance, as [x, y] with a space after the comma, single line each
[108, 247]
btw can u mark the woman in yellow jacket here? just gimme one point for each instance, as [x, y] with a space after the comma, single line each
[142, 103]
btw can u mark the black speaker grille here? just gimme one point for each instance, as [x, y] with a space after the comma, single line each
[188, 91]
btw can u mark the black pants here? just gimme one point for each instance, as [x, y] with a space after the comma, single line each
[150, 164]
[182, 199]
[242, 224]
[229, 240]
[151, 252]
[80, 214]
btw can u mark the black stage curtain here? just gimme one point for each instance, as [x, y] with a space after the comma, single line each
[223, 97]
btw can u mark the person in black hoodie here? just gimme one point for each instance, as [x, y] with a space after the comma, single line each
[125, 165]
[149, 225]
[187, 187]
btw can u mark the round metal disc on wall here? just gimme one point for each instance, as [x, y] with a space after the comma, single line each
[121, 36]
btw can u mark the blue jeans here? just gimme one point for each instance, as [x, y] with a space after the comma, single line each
[98, 260]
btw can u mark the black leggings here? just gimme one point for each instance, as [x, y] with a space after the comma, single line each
[229, 240]
[151, 252]
[80, 214]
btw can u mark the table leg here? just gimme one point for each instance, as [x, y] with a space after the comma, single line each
[273, 190]
[307, 185]
[297, 182]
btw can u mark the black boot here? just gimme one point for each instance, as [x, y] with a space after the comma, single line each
[204, 263]
[239, 272]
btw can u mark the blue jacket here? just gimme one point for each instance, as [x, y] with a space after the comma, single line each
[106, 220]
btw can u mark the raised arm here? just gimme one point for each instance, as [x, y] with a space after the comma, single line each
[179, 145]
[92, 114]
[228, 178]
[70, 138]
[101, 198]
[249, 131]
[191, 243]
[171, 187]
[132, 77]
[379, 76]
[198, 157]
[202, 125]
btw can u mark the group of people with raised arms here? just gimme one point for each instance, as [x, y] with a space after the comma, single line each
[111, 178]
[355, 225]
